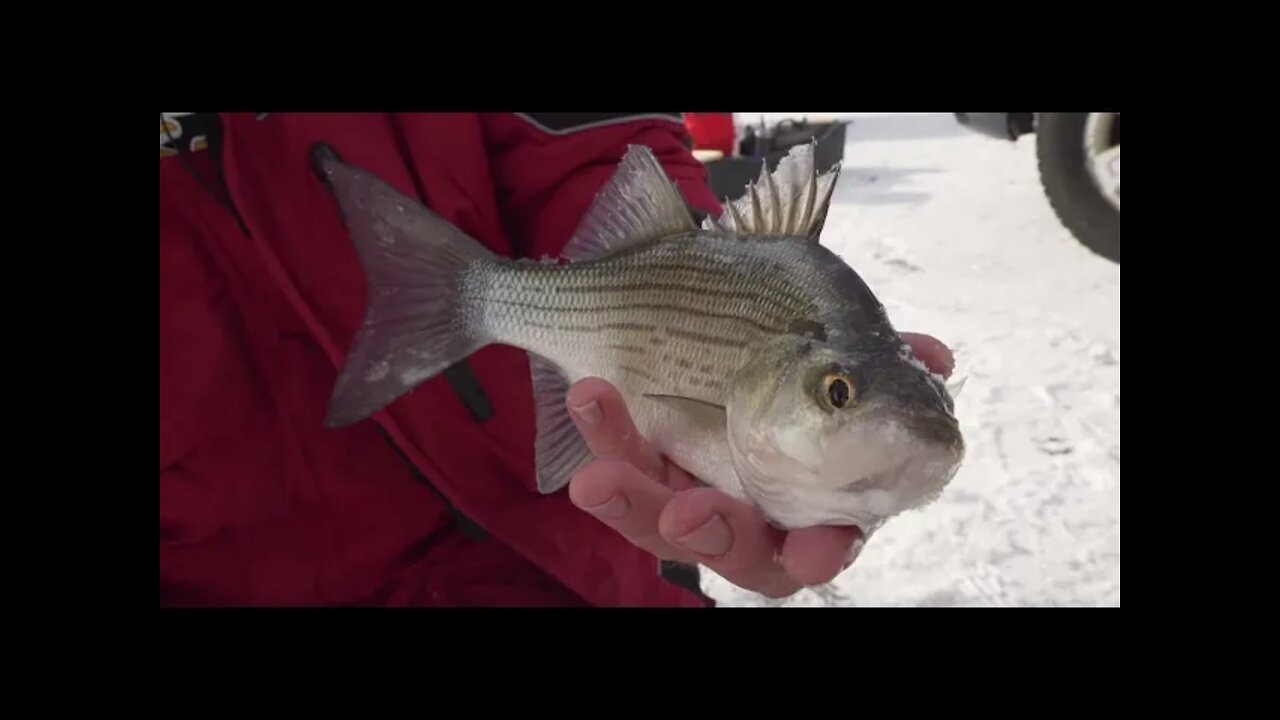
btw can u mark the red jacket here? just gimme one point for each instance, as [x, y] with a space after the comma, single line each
[260, 294]
[712, 131]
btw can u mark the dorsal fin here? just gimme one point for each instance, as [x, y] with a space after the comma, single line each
[792, 201]
[638, 204]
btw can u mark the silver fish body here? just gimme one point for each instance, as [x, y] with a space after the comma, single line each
[747, 353]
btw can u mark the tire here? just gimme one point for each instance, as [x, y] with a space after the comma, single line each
[1075, 197]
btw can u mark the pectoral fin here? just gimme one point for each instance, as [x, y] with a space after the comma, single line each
[700, 412]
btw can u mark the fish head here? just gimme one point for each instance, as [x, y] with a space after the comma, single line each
[848, 434]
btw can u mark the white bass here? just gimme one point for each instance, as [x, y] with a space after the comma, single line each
[750, 355]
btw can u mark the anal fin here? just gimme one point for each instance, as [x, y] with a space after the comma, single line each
[559, 449]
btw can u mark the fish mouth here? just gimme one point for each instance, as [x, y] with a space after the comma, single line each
[908, 484]
[937, 428]
[882, 480]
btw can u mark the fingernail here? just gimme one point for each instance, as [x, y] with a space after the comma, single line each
[854, 549]
[712, 538]
[590, 413]
[613, 509]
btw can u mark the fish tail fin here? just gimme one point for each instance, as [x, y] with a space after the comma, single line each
[415, 263]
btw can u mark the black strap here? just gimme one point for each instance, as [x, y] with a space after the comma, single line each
[683, 576]
[565, 123]
[468, 527]
[468, 389]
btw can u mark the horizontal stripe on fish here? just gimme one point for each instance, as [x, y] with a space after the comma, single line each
[636, 335]
[632, 349]
[548, 310]
[707, 339]
[688, 265]
[746, 284]
[795, 302]
[637, 372]
[592, 329]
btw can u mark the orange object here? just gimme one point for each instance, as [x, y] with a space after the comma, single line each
[712, 131]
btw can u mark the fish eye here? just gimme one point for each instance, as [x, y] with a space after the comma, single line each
[838, 389]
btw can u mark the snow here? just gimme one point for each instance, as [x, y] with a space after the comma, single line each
[952, 231]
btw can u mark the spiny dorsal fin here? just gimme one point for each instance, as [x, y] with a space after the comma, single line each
[792, 201]
[638, 204]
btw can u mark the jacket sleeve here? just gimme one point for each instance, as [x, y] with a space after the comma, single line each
[548, 168]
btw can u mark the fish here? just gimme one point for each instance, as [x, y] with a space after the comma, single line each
[747, 352]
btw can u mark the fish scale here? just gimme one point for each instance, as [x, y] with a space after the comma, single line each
[746, 352]
[599, 319]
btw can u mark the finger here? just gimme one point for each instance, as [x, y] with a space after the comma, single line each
[600, 413]
[932, 352]
[679, 479]
[814, 556]
[783, 586]
[620, 496]
[727, 536]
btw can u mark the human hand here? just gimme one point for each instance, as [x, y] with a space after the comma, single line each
[661, 508]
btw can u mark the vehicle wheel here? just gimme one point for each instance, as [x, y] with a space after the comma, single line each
[1079, 158]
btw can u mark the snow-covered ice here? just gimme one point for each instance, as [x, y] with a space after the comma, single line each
[951, 229]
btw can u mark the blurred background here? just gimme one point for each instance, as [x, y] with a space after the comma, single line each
[999, 234]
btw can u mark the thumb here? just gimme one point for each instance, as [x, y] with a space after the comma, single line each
[601, 415]
[932, 352]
